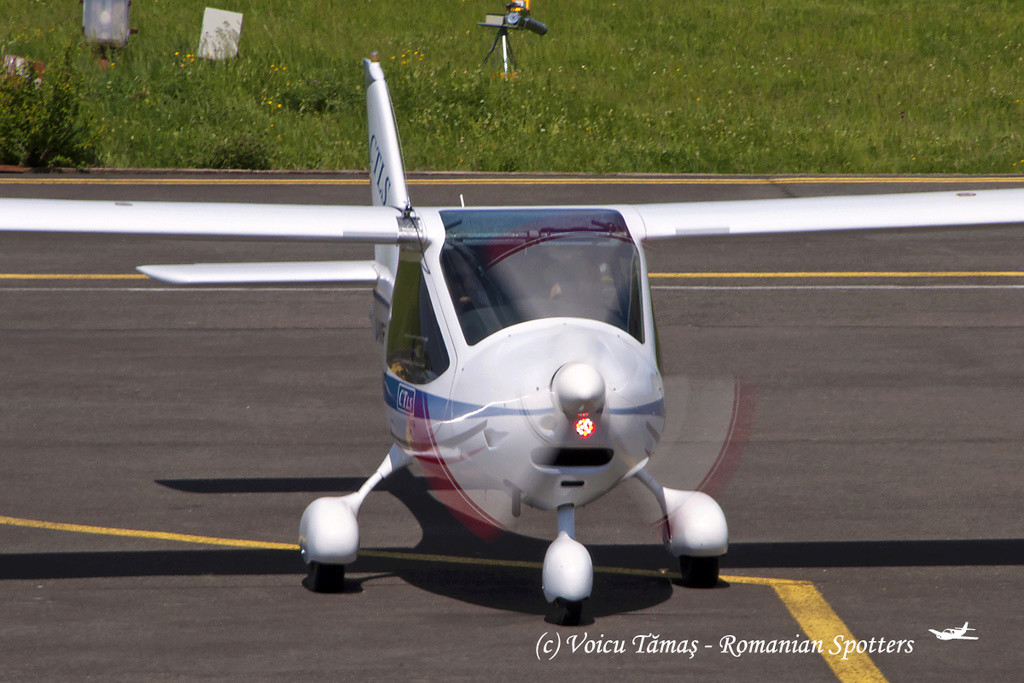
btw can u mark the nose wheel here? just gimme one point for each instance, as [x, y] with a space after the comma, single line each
[568, 612]
[568, 573]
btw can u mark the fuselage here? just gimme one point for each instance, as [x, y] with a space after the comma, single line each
[482, 319]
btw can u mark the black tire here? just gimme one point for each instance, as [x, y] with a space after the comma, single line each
[325, 578]
[568, 612]
[699, 572]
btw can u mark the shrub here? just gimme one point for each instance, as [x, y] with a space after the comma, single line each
[41, 122]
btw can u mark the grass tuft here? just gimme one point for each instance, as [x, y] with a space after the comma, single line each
[239, 151]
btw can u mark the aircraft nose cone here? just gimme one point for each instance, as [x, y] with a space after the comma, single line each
[578, 388]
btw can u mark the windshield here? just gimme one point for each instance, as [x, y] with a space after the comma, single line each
[507, 266]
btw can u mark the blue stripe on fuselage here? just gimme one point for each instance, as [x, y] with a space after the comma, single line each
[413, 400]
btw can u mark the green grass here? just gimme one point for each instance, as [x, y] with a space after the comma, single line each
[703, 86]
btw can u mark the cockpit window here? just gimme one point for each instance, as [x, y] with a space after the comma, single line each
[415, 347]
[507, 266]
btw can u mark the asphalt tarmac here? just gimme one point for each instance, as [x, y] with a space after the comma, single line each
[870, 426]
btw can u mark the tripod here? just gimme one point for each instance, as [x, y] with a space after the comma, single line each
[506, 49]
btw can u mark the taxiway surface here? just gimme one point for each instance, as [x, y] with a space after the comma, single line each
[872, 425]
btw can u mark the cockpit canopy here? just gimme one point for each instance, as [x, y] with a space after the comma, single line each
[507, 266]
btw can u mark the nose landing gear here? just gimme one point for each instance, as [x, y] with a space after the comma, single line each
[568, 573]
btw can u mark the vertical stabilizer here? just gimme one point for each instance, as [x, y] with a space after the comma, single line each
[387, 185]
[387, 174]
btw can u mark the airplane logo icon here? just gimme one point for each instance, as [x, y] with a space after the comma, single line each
[406, 399]
[954, 633]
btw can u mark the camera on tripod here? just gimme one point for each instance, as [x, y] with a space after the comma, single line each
[517, 15]
[516, 18]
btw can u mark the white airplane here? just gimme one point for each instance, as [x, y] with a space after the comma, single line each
[520, 359]
[954, 633]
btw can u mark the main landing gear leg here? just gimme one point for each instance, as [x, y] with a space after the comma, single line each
[329, 532]
[568, 573]
[695, 531]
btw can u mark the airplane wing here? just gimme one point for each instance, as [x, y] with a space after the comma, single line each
[371, 224]
[362, 272]
[911, 210]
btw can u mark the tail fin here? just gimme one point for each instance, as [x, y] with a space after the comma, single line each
[387, 173]
[387, 185]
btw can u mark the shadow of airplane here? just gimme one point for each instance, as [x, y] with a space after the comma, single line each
[489, 573]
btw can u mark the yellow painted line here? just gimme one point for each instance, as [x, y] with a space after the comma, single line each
[389, 554]
[73, 276]
[819, 622]
[660, 275]
[805, 603]
[536, 180]
[847, 274]
[812, 612]
[155, 535]
[527, 564]
[450, 559]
